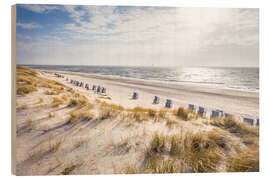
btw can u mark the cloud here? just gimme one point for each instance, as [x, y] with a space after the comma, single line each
[40, 8]
[29, 25]
[149, 35]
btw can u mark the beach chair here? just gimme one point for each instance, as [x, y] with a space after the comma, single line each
[71, 81]
[249, 121]
[156, 100]
[201, 111]
[214, 114]
[220, 113]
[94, 87]
[81, 84]
[98, 89]
[168, 103]
[228, 115]
[87, 86]
[135, 95]
[258, 122]
[191, 107]
[103, 90]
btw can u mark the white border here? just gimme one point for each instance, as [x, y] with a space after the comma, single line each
[5, 103]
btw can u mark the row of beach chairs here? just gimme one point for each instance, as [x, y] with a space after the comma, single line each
[168, 103]
[201, 110]
[98, 89]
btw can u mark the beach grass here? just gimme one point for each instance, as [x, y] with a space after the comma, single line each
[173, 144]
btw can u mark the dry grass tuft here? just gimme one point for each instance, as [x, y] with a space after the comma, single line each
[162, 113]
[171, 122]
[244, 161]
[57, 101]
[236, 127]
[182, 113]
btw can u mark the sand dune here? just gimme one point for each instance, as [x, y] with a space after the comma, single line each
[65, 129]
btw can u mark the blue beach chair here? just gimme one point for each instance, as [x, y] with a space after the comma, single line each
[215, 114]
[98, 89]
[249, 121]
[201, 111]
[220, 113]
[103, 90]
[168, 103]
[87, 86]
[81, 84]
[135, 95]
[156, 100]
[227, 115]
[191, 107]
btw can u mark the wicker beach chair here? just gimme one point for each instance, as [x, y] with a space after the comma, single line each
[81, 84]
[98, 89]
[249, 121]
[135, 95]
[214, 114]
[168, 103]
[103, 90]
[228, 115]
[220, 113]
[191, 107]
[201, 111]
[87, 86]
[156, 100]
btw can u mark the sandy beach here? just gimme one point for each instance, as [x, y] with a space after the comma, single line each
[236, 102]
[64, 129]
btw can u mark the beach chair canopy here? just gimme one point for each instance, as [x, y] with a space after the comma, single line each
[249, 121]
[168, 103]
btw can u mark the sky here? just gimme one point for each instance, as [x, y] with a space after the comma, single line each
[137, 36]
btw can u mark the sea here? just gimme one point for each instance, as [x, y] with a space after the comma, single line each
[239, 78]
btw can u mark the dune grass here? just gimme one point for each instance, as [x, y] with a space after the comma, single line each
[235, 127]
[188, 152]
[244, 161]
[171, 122]
[28, 81]
[57, 101]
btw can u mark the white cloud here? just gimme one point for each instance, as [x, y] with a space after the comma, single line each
[39, 8]
[162, 36]
[29, 25]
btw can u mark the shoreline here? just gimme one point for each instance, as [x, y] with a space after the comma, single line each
[239, 103]
[112, 77]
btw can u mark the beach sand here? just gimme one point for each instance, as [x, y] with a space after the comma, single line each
[63, 129]
[236, 102]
